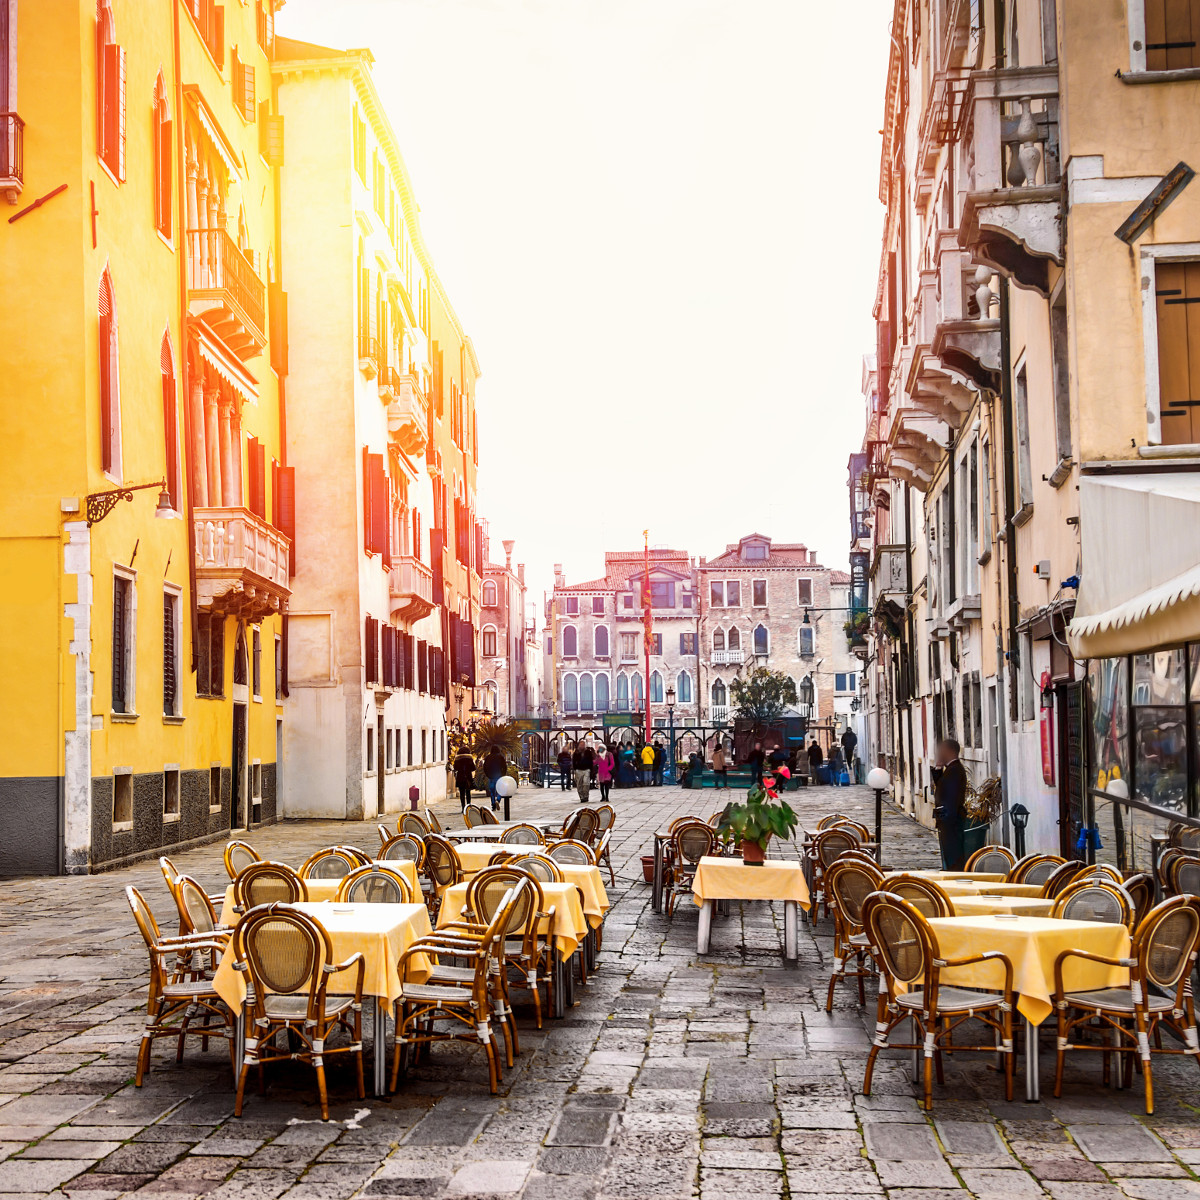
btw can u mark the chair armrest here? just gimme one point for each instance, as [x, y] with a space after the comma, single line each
[355, 958]
[1104, 960]
[986, 956]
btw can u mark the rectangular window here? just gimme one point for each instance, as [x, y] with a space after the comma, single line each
[627, 600]
[687, 600]
[759, 590]
[214, 787]
[256, 663]
[716, 597]
[629, 646]
[123, 650]
[571, 606]
[278, 668]
[256, 784]
[662, 594]
[171, 793]
[687, 643]
[598, 606]
[122, 817]
[410, 747]
[424, 735]
[1024, 468]
[733, 593]
[1177, 304]
[844, 681]
[210, 655]
[170, 667]
[806, 641]
[1172, 32]
[804, 591]
[656, 645]
[370, 749]
[1061, 375]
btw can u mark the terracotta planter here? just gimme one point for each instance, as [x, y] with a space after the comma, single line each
[648, 867]
[753, 854]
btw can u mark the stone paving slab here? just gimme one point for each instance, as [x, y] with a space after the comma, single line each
[674, 1076]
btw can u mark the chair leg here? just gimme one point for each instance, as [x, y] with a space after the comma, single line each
[321, 1091]
[241, 1087]
[1061, 1053]
[358, 1054]
[1010, 1054]
[143, 1058]
[1144, 1051]
[862, 971]
[398, 1045]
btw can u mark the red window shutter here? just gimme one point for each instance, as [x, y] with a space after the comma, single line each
[248, 92]
[217, 46]
[120, 101]
[165, 136]
[235, 77]
[379, 513]
[171, 439]
[285, 509]
[368, 650]
[368, 500]
[105, 382]
[277, 319]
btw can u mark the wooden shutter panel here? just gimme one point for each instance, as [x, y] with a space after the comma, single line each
[118, 644]
[277, 316]
[171, 439]
[256, 457]
[170, 682]
[369, 650]
[217, 46]
[165, 143]
[248, 92]
[217, 656]
[106, 398]
[235, 77]
[120, 101]
[285, 509]
[1177, 300]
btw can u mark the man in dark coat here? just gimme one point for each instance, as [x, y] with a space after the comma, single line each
[564, 768]
[949, 804]
[756, 760]
[464, 776]
[849, 745]
[494, 765]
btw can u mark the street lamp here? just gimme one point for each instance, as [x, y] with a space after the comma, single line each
[100, 504]
[805, 694]
[671, 722]
[879, 781]
[506, 785]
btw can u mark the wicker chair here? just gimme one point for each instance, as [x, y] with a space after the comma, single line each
[1161, 961]
[238, 856]
[374, 884]
[1034, 868]
[1162, 867]
[197, 912]
[992, 860]
[1140, 889]
[906, 949]
[1185, 876]
[603, 857]
[442, 868]
[581, 826]
[384, 835]
[487, 817]
[1102, 871]
[541, 867]
[1186, 837]
[576, 854]
[691, 843]
[522, 835]
[361, 857]
[171, 874]
[267, 883]
[827, 846]
[435, 826]
[1062, 876]
[468, 1004]
[1095, 900]
[331, 863]
[403, 846]
[926, 896]
[289, 958]
[473, 815]
[849, 882]
[607, 816]
[412, 823]
[831, 819]
[180, 988]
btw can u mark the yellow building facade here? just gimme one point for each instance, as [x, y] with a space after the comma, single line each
[138, 350]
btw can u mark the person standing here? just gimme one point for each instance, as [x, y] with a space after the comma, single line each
[719, 769]
[815, 758]
[660, 758]
[849, 745]
[464, 776]
[564, 768]
[581, 762]
[494, 765]
[647, 763]
[756, 760]
[606, 766]
[949, 804]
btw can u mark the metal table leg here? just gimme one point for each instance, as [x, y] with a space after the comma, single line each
[558, 993]
[1032, 1067]
[791, 948]
[239, 1044]
[380, 1019]
[704, 928]
[570, 966]
[656, 901]
[916, 1067]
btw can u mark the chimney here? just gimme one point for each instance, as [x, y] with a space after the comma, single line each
[521, 573]
[560, 580]
[508, 549]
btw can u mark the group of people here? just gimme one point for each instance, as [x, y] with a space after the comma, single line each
[627, 766]
[495, 766]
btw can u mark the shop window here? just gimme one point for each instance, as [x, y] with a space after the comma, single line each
[171, 793]
[122, 800]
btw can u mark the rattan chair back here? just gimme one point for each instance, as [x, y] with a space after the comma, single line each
[331, 863]
[900, 936]
[1163, 865]
[572, 853]
[582, 825]
[992, 860]
[1034, 868]
[1094, 900]
[374, 884]
[1185, 875]
[864, 856]
[170, 872]
[197, 913]
[1061, 876]
[1140, 889]
[860, 831]
[435, 826]
[1164, 945]
[285, 951]
[142, 914]
[541, 867]
[522, 835]
[442, 865]
[849, 883]
[1186, 837]
[832, 843]
[831, 819]
[487, 817]
[494, 887]
[413, 823]
[473, 815]
[694, 842]
[606, 815]
[238, 856]
[385, 835]
[923, 894]
[268, 883]
[1101, 871]
[404, 846]
[361, 857]
[675, 822]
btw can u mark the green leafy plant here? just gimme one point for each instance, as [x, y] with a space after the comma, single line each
[857, 627]
[763, 696]
[762, 816]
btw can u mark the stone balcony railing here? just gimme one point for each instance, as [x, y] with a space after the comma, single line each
[411, 587]
[727, 656]
[241, 563]
[407, 415]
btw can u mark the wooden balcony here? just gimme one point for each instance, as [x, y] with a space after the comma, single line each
[12, 155]
[408, 420]
[411, 589]
[241, 563]
[225, 290]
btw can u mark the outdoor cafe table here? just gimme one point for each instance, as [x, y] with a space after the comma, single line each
[326, 889]
[1032, 945]
[474, 856]
[484, 833]
[379, 932]
[732, 879]
[960, 887]
[961, 876]
[988, 905]
[567, 930]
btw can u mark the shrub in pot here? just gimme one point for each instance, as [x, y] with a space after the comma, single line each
[763, 816]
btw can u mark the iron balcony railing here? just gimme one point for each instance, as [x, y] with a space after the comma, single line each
[218, 265]
[12, 148]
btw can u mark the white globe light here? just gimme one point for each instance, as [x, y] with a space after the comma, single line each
[506, 785]
[878, 779]
[1118, 788]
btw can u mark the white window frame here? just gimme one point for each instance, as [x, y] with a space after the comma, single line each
[597, 612]
[570, 677]
[215, 766]
[496, 646]
[130, 665]
[255, 788]
[490, 585]
[122, 773]
[1150, 256]
[766, 590]
[172, 815]
[801, 580]
[716, 583]
[801, 630]
[562, 641]
[595, 647]
[1024, 447]
[608, 697]
[754, 640]
[684, 673]
[586, 677]
[176, 592]
[732, 631]
[1136, 21]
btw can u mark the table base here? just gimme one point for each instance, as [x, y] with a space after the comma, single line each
[791, 929]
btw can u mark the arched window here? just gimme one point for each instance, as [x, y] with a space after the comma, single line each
[718, 639]
[489, 594]
[585, 693]
[163, 157]
[110, 92]
[602, 693]
[718, 694]
[761, 639]
[622, 693]
[601, 641]
[110, 380]
[570, 642]
[683, 688]
[636, 688]
[734, 641]
[570, 694]
[489, 641]
[656, 688]
[239, 658]
[170, 424]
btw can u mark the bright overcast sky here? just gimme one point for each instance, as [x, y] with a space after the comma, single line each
[658, 221]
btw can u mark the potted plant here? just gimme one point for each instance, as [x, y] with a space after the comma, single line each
[762, 816]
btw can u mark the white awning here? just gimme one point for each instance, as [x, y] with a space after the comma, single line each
[1140, 577]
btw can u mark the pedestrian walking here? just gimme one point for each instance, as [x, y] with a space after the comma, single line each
[464, 776]
[581, 762]
[756, 760]
[949, 800]
[815, 758]
[626, 768]
[849, 747]
[606, 768]
[564, 768]
[494, 765]
[647, 763]
[660, 758]
[837, 764]
[720, 770]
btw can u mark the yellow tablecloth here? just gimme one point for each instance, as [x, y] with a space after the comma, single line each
[589, 882]
[730, 879]
[474, 856]
[977, 876]
[326, 889]
[959, 887]
[981, 906]
[379, 932]
[1032, 945]
[569, 925]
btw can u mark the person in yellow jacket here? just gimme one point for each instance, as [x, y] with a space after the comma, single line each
[647, 763]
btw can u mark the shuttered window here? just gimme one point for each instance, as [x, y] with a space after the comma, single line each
[422, 667]
[256, 664]
[1172, 34]
[375, 505]
[285, 510]
[110, 93]
[256, 459]
[242, 77]
[1177, 301]
[371, 650]
[163, 157]
[122, 634]
[170, 666]
[110, 385]
[170, 425]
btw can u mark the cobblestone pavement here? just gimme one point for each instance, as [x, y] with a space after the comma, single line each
[673, 1076]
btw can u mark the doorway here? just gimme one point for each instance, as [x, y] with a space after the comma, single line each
[237, 799]
[1072, 813]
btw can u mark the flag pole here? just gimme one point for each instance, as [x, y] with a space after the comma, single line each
[648, 625]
